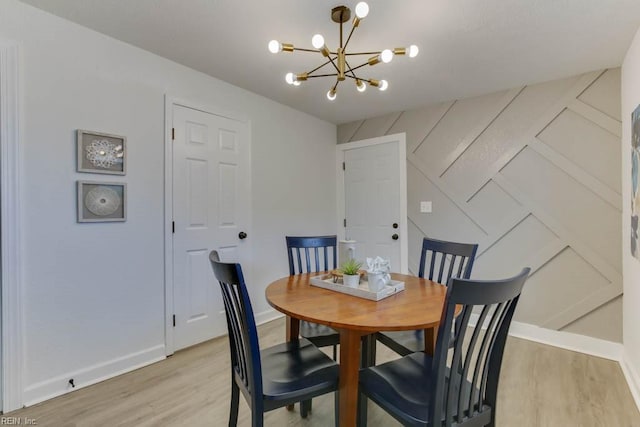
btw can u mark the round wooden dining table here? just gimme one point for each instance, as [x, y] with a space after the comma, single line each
[418, 306]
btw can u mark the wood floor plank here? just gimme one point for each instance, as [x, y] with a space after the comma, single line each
[540, 386]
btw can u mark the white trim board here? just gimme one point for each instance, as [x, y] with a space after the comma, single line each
[632, 377]
[267, 316]
[401, 140]
[94, 374]
[581, 344]
[10, 237]
[568, 341]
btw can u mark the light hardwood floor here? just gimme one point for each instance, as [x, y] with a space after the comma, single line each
[540, 386]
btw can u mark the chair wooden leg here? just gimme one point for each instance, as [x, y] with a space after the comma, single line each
[361, 420]
[235, 399]
[305, 408]
[336, 403]
[257, 419]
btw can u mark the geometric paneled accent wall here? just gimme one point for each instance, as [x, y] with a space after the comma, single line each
[532, 174]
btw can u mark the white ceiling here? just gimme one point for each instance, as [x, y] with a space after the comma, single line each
[467, 47]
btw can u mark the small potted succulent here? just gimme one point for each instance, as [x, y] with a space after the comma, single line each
[351, 273]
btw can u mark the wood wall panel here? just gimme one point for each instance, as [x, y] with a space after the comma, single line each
[590, 146]
[603, 322]
[376, 127]
[417, 124]
[446, 220]
[578, 209]
[517, 122]
[450, 133]
[515, 249]
[578, 279]
[491, 199]
[531, 174]
[598, 94]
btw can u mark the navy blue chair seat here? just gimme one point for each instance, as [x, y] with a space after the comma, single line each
[445, 260]
[400, 386]
[277, 376]
[293, 371]
[419, 390]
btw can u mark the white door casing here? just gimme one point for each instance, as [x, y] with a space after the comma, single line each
[10, 237]
[372, 197]
[210, 206]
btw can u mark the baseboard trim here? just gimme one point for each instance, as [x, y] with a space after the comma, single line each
[568, 341]
[59, 385]
[267, 316]
[632, 377]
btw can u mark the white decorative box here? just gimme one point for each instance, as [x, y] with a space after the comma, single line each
[327, 281]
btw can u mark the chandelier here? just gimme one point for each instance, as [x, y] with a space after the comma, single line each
[338, 58]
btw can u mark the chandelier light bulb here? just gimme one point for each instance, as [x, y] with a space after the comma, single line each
[386, 56]
[297, 82]
[331, 95]
[361, 86]
[413, 51]
[275, 46]
[317, 41]
[290, 78]
[383, 85]
[362, 10]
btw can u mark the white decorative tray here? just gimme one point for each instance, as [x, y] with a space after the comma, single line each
[326, 281]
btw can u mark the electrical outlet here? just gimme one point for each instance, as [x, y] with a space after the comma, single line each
[426, 207]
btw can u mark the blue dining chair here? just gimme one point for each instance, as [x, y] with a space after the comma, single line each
[421, 390]
[273, 377]
[310, 254]
[445, 260]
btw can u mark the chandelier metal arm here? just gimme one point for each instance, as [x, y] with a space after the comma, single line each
[355, 68]
[317, 68]
[323, 75]
[364, 53]
[350, 70]
[306, 50]
[348, 38]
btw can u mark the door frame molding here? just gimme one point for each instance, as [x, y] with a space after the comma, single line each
[401, 140]
[170, 102]
[10, 240]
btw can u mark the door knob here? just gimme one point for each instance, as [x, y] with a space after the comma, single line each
[395, 225]
[242, 235]
[395, 237]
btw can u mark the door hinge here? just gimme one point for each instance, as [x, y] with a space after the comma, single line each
[173, 134]
[344, 222]
[174, 320]
[173, 226]
[344, 167]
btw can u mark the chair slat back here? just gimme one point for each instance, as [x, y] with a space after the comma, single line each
[310, 254]
[468, 386]
[446, 259]
[241, 324]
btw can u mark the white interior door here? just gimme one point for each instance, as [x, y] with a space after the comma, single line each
[211, 201]
[375, 198]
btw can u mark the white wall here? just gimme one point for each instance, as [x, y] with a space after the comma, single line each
[94, 293]
[631, 266]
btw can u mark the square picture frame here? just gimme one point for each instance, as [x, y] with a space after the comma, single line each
[99, 152]
[102, 201]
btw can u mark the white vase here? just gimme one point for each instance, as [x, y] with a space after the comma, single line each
[377, 281]
[351, 280]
